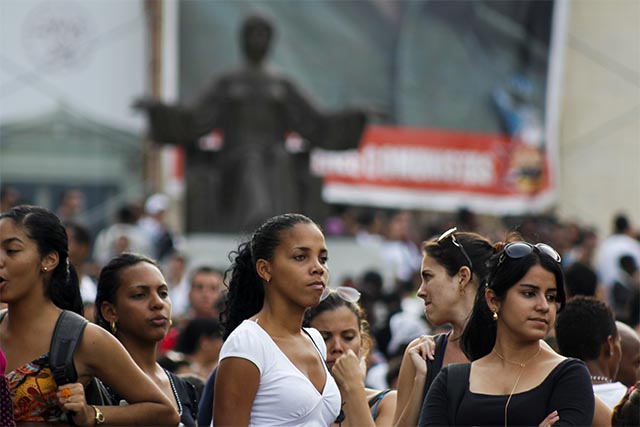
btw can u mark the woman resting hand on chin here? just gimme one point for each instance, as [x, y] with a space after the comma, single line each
[343, 325]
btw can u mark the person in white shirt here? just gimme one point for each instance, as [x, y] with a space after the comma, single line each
[621, 242]
[586, 329]
[272, 371]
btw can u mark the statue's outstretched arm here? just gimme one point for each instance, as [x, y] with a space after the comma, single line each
[332, 130]
[176, 124]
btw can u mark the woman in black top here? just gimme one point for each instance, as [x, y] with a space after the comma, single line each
[514, 377]
[453, 268]
[133, 304]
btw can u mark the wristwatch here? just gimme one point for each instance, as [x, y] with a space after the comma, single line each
[99, 415]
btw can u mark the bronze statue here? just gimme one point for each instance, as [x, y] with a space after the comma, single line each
[253, 176]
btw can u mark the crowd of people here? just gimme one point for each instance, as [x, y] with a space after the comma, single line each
[528, 322]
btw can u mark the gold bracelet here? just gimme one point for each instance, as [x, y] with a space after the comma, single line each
[99, 415]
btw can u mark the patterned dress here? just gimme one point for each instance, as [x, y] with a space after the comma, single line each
[33, 391]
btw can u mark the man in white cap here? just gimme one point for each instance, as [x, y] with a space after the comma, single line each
[154, 225]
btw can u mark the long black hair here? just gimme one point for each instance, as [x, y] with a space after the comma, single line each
[47, 231]
[245, 288]
[479, 335]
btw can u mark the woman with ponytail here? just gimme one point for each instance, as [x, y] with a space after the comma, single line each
[453, 269]
[271, 370]
[515, 378]
[37, 284]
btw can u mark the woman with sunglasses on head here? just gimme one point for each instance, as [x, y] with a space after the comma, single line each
[133, 304]
[345, 330]
[272, 370]
[40, 288]
[453, 268]
[514, 377]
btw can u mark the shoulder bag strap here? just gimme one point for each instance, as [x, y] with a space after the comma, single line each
[457, 383]
[375, 401]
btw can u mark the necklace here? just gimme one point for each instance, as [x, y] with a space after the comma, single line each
[601, 378]
[522, 366]
[175, 393]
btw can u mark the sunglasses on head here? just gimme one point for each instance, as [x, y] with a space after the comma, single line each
[449, 234]
[344, 292]
[515, 250]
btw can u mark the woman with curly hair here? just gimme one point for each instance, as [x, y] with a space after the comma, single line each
[271, 369]
[345, 330]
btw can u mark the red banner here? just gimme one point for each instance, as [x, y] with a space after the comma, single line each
[437, 170]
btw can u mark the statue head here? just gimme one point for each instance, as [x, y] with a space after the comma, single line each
[255, 37]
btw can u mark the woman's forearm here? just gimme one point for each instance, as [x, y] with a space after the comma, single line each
[143, 413]
[408, 416]
[356, 408]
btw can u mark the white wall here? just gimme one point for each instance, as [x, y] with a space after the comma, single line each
[89, 54]
[346, 257]
[600, 121]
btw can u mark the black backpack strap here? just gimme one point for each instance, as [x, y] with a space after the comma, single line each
[66, 336]
[457, 383]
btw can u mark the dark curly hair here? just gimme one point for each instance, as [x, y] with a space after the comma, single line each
[583, 326]
[245, 288]
[627, 411]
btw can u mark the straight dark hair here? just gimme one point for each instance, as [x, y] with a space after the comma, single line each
[479, 335]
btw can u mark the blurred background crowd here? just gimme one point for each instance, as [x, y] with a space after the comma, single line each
[603, 266]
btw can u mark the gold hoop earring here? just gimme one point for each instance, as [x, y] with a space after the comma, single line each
[495, 316]
[113, 328]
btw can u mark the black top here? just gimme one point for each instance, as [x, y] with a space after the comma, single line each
[434, 366]
[205, 410]
[186, 396]
[566, 389]
[186, 392]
